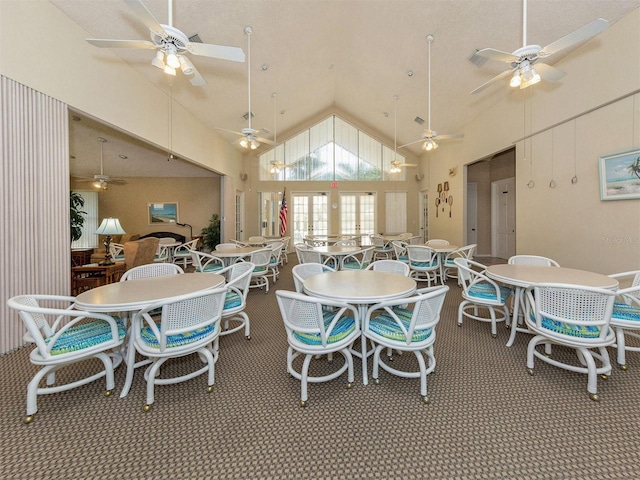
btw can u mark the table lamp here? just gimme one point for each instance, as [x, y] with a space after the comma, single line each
[109, 226]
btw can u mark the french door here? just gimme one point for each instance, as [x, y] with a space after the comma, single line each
[357, 213]
[310, 213]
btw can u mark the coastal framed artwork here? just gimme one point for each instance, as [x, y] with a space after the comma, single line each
[163, 213]
[620, 175]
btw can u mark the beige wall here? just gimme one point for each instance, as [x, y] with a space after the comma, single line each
[197, 198]
[593, 111]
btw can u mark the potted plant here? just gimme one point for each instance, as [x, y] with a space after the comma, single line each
[76, 215]
[211, 233]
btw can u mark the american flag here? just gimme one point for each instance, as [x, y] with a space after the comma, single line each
[283, 213]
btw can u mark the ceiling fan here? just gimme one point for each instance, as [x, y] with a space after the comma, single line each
[396, 165]
[521, 62]
[429, 136]
[171, 44]
[250, 137]
[102, 181]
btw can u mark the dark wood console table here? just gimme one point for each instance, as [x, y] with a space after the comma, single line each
[86, 277]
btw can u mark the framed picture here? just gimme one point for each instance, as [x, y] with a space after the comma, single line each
[620, 175]
[163, 213]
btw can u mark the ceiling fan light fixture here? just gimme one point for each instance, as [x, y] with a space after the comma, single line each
[172, 58]
[531, 79]
[254, 144]
[430, 144]
[158, 60]
[515, 80]
[186, 65]
[169, 70]
[244, 143]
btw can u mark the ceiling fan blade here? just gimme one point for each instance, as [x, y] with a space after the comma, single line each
[493, 54]
[229, 131]
[408, 165]
[549, 73]
[265, 140]
[146, 17]
[412, 143]
[196, 79]
[117, 181]
[577, 36]
[493, 80]
[448, 137]
[122, 43]
[235, 54]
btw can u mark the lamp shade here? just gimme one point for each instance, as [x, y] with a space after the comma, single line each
[110, 226]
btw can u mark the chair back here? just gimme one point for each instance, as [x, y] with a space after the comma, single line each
[377, 240]
[358, 260]
[630, 279]
[59, 331]
[167, 240]
[437, 241]
[151, 270]
[476, 285]
[305, 270]
[140, 252]
[257, 239]
[304, 319]
[117, 251]
[571, 312]
[238, 277]
[391, 266]
[413, 317]
[194, 316]
[424, 257]
[182, 253]
[532, 260]
[346, 242]
[400, 250]
[260, 259]
[307, 254]
[205, 262]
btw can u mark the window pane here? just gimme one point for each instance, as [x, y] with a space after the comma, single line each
[370, 166]
[296, 154]
[346, 151]
[367, 214]
[321, 147]
[88, 239]
[268, 214]
[348, 218]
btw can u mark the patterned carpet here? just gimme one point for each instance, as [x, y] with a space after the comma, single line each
[487, 417]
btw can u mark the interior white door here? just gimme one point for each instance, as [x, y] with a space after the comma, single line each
[472, 213]
[310, 214]
[503, 200]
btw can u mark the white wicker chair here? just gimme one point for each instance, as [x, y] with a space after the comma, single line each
[275, 260]
[424, 262]
[58, 344]
[625, 318]
[391, 266]
[182, 253]
[259, 275]
[162, 255]
[189, 324]
[238, 278]
[206, 263]
[227, 246]
[437, 241]
[406, 325]
[575, 317]
[400, 250]
[307, 254]
[382, 248]
[449, 268]
[532, 260]
[315, 331]
[305, 270]
[358, 260]
[479, 292]
[151, 270]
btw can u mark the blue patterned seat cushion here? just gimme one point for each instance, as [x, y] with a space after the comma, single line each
[177, 340]
[487, 291]
[212, 267]
[423, 264]
[563, 328]
[403, 258]
[345, 327]
[623, 311]
[386, 326]
[86, 335]
[260, 269]
[232, 300]
[354, 265]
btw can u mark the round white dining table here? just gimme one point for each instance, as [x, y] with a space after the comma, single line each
[230, 255]
[133, 295]
[360, 288]
[523, 276]
[339, 251]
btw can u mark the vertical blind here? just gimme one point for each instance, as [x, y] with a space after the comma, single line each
[34, 210]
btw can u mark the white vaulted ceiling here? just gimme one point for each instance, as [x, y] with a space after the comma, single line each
[353, 55]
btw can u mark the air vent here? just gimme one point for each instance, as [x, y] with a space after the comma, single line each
[246, 116]
[418, 120]
[195, 38]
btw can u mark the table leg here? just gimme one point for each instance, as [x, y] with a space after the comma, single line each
[518, 303]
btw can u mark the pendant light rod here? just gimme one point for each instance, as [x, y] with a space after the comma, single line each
[430, 40]
[275, 122]
[102, 141]
[248, 31]
[395, 127]
[524, 23]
